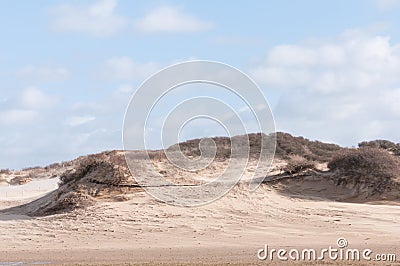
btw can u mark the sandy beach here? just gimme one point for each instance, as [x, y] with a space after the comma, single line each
[228, 231]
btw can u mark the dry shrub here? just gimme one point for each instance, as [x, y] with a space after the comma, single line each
[5, 172]
[95, 171]
[68, 201]
[192, 147]
[77, 174]
[95, 177]
[297, 164]
[253, 143]
[287, 145]
[382, 144]
[366, 161]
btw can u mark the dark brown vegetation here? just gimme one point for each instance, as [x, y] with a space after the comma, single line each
[102, 176]
[297, 164]
[365, 162]
[366, 174]
[382, 144]
[224, 145]
[192, 147]
[288, 145]
[5, 171]
[371, 171]
[99, 176]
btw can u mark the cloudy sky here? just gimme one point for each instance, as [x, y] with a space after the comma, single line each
[329, 69]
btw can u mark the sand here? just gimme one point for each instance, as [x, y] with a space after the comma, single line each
[29, 190]
[228, 231]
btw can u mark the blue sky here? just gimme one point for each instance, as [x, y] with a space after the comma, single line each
[329, 69]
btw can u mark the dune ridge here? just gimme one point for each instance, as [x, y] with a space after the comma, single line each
[99, 214]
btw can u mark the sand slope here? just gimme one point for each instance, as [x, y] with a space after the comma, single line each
[123, 224]
[230, 229]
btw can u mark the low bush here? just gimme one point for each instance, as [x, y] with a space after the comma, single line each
[297, 164]
[366, 161]
[5, 171]
[287, 145]
[382, 144]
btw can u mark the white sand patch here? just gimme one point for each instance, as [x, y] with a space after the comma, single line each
[30, 190]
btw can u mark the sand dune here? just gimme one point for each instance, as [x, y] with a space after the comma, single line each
[123, 223]
[229, 230]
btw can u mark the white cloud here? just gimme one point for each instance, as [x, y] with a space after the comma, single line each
[78, 120]
[171, 19]
[26, 107]
[98, 19]
[352, 62]
[34, 98]
[344, 90]
[387, 4]
[43, 73]
[124, 68]
[18, 116]
[391, 99]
